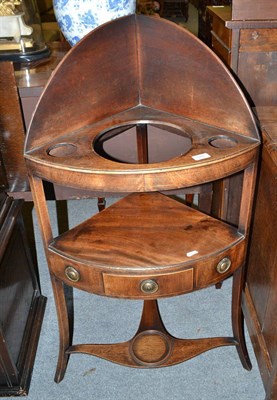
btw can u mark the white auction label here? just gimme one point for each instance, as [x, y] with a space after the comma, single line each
[192, 253]
[202, 156]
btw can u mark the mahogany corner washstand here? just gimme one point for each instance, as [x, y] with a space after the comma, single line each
[147, 75]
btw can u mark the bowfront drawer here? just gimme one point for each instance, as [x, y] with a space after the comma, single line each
[200, 273]
[215, 270]
[142, 286]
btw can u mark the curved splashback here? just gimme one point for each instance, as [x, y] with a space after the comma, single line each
[133, 62]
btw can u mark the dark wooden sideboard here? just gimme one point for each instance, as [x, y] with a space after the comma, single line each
[260, 302]
[21, 303]
[244, 36]
[248, 47]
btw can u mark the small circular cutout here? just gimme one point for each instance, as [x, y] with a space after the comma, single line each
[61, 150]
[223, 142]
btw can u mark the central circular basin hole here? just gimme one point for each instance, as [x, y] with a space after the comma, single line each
[142, 143]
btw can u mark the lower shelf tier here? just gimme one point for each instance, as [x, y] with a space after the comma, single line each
[146, 246]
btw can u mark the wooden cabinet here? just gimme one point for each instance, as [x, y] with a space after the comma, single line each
[253, 59]
[21, 303]
[203, 17]
[248, 47]
[261, 295]
[221, 36]
[245, 38]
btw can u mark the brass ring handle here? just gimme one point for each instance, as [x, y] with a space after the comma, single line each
[223, 265]
[149, 286]
[72, 274]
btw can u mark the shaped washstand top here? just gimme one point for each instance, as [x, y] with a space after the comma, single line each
[139, 60]
[139, 69]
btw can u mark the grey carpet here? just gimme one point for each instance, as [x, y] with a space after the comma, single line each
[217, 374]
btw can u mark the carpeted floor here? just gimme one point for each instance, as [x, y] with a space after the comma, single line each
[215, 375]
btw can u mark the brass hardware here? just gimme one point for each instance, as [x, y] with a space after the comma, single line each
[223, 265]
[255, 35]
[149, 286]
[72, 274]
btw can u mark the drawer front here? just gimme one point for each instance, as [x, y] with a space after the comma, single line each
[221, 51]
[199, 274]
[206, 272]
[224, 34]
[141, 287]
[76, 274]
[258, 40]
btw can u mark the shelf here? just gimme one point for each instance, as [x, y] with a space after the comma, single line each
[139, 237]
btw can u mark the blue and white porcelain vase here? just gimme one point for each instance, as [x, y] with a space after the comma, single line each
[78, 17]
